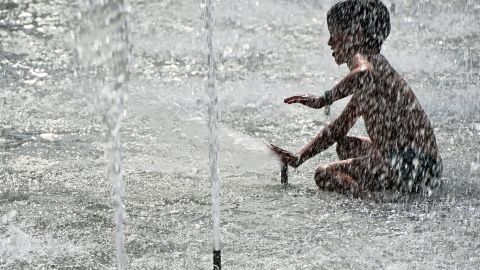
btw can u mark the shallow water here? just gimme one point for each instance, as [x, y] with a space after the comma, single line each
[55, 200]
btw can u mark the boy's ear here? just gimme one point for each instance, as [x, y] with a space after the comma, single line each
[358, 35]
[359, 32]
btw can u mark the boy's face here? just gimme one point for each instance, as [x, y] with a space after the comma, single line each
[342, 45]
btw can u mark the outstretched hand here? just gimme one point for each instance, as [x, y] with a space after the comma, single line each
[307, 100]
[285, 156]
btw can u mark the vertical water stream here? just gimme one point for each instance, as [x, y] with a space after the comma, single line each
[213, 136]
[103, 46]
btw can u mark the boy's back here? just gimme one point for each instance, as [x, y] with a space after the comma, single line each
[393, 116]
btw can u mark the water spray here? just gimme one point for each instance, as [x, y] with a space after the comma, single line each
[213, 136]
[103, 45]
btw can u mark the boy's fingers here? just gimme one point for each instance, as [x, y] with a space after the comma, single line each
[289, 99]
[275, 149]
[296, 97]
[279, 151]
[293, 100]
[284, 155]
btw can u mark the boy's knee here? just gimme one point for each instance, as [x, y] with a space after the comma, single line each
[321, 176]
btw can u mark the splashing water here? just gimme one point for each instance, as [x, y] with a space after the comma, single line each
[103, 44]
[213, 128]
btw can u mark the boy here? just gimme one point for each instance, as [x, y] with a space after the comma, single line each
[401, 150]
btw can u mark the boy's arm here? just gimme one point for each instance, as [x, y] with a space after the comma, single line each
[331, 133]
[344, 88]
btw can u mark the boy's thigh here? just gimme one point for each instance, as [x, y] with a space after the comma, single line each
[354, 146]
[356, 141]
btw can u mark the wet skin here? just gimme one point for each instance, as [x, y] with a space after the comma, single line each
[394, 120]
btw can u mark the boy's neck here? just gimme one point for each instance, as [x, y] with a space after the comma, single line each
[359, 60]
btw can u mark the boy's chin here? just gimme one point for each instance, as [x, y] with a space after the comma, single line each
[339, 61]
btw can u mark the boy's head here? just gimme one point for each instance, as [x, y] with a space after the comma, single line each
[357, 26]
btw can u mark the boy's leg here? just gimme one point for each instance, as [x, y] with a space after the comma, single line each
[353, 147]
[356, 176]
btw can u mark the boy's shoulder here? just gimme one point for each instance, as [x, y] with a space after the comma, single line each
[380, 75]
[382, 70]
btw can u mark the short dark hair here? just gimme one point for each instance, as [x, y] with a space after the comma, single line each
[371, 15]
